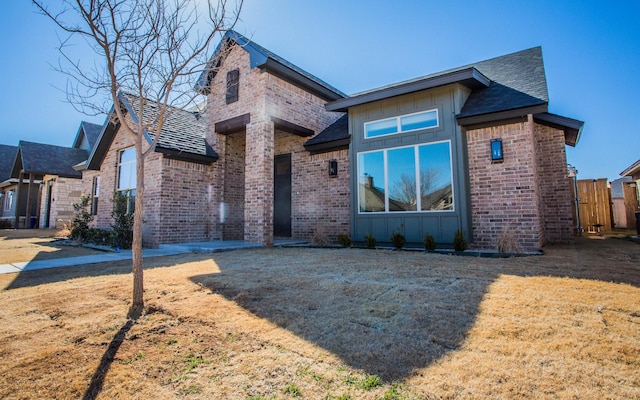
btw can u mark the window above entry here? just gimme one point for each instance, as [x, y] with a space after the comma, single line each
[401, 124]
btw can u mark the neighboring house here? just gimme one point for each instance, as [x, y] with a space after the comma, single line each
[633, 171]
[280, 153]
[8, 186]
[47, 182]
[624, 202]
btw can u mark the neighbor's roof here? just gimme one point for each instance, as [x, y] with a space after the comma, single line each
[183, 134]
[616, 187]
[271, 62]
[88, 130]
[7, 158]
[40, 159]
[632, 169]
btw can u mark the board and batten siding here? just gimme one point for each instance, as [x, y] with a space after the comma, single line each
[442, 225]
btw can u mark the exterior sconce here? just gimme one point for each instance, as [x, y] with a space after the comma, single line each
[333, 168]
[496, 151]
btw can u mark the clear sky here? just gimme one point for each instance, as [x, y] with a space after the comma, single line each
[591, 53]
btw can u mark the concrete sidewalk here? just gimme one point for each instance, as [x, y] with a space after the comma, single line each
[164, 250]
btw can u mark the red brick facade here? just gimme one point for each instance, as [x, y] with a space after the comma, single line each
[243, 177]
[527, 194]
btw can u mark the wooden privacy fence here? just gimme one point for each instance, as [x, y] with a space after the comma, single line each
[594, 197]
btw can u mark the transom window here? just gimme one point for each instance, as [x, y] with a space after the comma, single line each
[401, 124]
[411, 179]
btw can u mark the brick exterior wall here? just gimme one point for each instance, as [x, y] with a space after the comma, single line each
[263, 96]
[527, 194]
[504, 196]
[65, 192]
[556, 199]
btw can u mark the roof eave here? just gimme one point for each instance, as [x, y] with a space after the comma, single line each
[282, 71]
[501, 115]
[185, 156]
[469, 77]
[572, 127]
[633, 169]
[326, 147]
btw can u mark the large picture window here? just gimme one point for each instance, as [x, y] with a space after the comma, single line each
[127, 175]
[401, 124]
[409, 179]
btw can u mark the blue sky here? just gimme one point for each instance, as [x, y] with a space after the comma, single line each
[591, 53]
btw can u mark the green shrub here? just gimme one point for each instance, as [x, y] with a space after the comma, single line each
[370, 241]
[344, 240]
[429, 242]
[398, 240]
[459, 244]
[122, 221]
[81, 220]
[100, 236]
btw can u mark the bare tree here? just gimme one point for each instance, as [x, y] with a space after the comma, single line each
[152, 49]
[404, 190]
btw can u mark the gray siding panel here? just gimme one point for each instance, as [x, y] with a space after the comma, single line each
[441, 224]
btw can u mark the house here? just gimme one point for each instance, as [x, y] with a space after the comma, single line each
[624, 202]
[37, 163]
[281, 153]
[45, 178]
[8, 186]
[633, 171]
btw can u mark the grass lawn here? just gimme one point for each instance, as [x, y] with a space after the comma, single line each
[23, 245]
[330, 324]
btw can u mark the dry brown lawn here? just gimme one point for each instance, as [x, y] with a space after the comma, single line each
[22, 245]
[330, 324]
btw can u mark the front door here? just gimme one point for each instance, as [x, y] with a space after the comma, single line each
[282, 196]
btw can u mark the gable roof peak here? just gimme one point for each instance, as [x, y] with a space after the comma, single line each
[260, 57]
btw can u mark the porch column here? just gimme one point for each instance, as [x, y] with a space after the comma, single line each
[258, 210]
[17, 200]
[27, 219]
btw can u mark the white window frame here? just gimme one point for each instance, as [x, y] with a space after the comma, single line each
[120, 164]
[399, 124]
[8, 200]
[417, 167]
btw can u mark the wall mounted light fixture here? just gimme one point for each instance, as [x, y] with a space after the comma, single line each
[496, 151]
[333, 168]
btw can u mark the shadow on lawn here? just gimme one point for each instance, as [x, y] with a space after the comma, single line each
[390, 316]
[388, 323]
[97, 380]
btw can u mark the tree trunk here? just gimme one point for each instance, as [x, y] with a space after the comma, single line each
[136, 246]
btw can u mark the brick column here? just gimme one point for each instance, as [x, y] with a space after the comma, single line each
[258, 210]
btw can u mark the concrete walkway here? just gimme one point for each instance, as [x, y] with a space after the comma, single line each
[164, 250]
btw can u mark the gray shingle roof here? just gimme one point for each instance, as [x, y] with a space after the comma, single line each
[335, 134]
[616, 187]
[517, 80]
[502, 83]
[183, 131]
[7, 158]
[91, 131]
[39, 158]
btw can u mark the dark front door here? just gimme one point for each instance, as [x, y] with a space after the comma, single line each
[282, 196]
